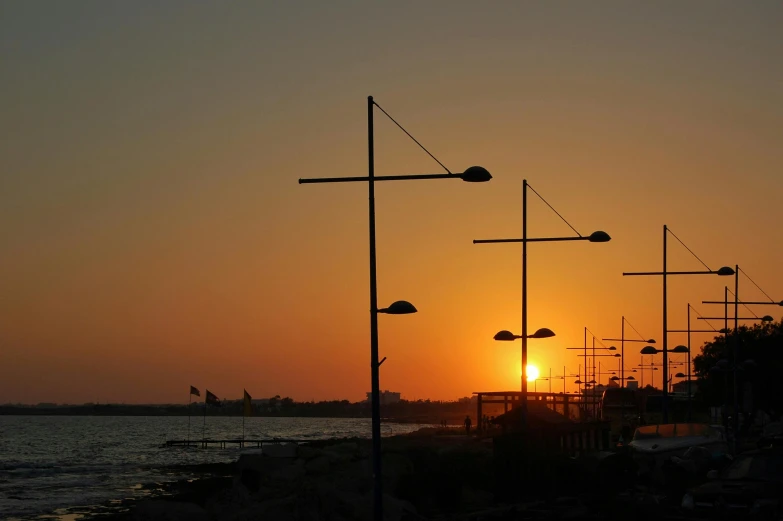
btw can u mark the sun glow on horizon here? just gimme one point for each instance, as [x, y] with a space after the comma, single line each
[532, 373]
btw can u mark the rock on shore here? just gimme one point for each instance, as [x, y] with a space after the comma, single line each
[333, 481]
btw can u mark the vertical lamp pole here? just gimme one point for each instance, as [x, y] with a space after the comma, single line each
[523, 383]
[736, 348]
[690, 390]
[724, 271]
[622, 341]
[475, 174]
[597, 236]
[374, 367]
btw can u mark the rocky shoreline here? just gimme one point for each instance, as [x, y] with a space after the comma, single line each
[427, 475]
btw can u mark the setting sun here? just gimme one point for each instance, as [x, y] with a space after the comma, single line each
[532, 373]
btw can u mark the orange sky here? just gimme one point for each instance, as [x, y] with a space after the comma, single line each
[153, 234]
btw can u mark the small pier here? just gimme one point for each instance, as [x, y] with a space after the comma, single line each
[222, 444]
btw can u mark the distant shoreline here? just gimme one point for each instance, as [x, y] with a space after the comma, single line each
[419, 421]
[429, 413]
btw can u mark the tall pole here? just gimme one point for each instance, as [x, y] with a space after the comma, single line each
[622, 353]
[585, 380]
[665, 336]
[642, 371]
[204, 427]
[599, 377]
[190, 396]
[690, 405]
[564, 382]
[524, 301]
[736, 349]
[726, 374]
[550, 380]
[374, 367]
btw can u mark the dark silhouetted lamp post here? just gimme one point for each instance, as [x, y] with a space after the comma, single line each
[622, 341]
[597, 236]
[474, 174]
[724, 271]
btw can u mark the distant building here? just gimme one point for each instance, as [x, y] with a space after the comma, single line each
[386, 397]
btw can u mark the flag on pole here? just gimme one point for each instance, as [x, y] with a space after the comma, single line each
[247, 408]
[212, 399]
[195, 391]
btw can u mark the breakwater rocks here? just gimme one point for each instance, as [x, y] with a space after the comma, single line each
[424, 477]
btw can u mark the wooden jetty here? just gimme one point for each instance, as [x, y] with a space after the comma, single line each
[222, 444]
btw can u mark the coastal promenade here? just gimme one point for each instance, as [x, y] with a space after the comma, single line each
[225, 443]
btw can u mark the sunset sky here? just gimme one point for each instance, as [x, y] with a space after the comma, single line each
[153, 234]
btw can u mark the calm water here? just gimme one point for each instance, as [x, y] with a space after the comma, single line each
[48, 463]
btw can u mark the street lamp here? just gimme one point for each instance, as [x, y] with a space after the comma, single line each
[622, 341]
[724, 271]
[597, 236]
[474, 174]
[508, 336]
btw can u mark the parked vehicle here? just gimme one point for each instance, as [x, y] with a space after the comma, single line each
[622, 408]
[751, 486]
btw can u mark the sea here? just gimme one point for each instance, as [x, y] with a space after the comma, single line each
[53, 465]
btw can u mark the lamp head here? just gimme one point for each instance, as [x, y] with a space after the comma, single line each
[401, 307]
[679, 349]
[578, 382]
[725, 271]
[476, 174]
[599, 236]
[591, 382]
[648, 350]
[542, 333]
[505, 336]
[767, 318]
[679, 375]
[651, 341]
[614, 378]
[630, 378]
[617, 355]
[612, 348]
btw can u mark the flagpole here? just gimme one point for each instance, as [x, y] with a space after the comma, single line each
[204, 428]
[189, 398]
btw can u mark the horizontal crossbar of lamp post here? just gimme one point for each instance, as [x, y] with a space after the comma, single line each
[597, 236]
[765, 318]
[748, 303]
[725, 271]
[650, 341]
[721, 332]
[474, 174]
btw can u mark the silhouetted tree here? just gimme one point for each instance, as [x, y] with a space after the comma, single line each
[759, 361]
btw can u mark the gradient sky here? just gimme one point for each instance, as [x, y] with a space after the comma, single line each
[153, 234]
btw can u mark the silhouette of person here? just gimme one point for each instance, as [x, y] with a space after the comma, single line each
[467, 425]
